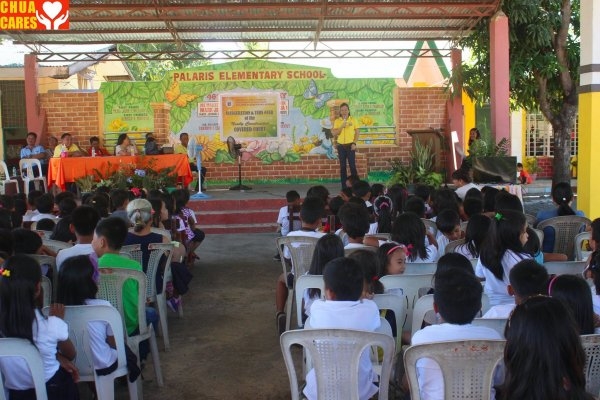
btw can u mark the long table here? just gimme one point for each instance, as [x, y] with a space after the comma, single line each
[69, 169]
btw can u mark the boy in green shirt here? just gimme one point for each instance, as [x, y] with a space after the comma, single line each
[109, 237]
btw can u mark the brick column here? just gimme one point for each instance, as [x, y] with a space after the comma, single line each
[162, 121]
[35, 119]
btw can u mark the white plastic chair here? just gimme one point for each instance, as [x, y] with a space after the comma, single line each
[467, 366]
[349, 251]
[6, 176]
[380, 236]
[47, 291]
[157, 251]
[78, 317]
[591, 346]
[395, 304]
[335, 355]
[425, 304]
[56, 245]
[13, 347]
[450, 247]
[540, 235]
[580, 253]
[497, 324]
[430, 226]
[410, 285]
[531, 220]
[50, 262]
[565, 267]
[28, 174]
[565, 229]
[303, 283]
[420, 268]
[160, 231]
[111, 288]
[301, 249]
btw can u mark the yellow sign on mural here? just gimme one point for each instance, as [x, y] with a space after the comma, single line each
[250, 115]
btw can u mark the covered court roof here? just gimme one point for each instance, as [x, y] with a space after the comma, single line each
[312, 22]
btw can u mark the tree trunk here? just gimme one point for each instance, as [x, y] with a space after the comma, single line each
[562, 126]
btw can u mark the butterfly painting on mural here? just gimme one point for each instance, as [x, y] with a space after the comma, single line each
[173, 94]
[312, 92]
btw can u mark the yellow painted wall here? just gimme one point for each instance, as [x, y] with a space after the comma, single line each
[469, 117]
[588, 190]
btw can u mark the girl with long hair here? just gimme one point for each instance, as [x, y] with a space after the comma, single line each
[543, 357]
[502, 248]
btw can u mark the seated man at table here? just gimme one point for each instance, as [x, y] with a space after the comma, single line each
[182, 148]
[72, 149]
[151, 147]
[33, 150]
[95, 149]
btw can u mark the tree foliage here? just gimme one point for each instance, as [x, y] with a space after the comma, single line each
[154, 70]
[544, 66]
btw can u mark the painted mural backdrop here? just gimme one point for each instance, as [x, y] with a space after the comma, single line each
[277, 111]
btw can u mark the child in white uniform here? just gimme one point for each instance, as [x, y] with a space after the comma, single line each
[501, 250]
[457, 299]
[409, 230]
[343, 309]
[527, 278]
[20, 316]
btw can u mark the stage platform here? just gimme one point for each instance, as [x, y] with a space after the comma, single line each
[249, 211]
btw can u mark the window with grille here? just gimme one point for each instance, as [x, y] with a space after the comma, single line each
[539, 139]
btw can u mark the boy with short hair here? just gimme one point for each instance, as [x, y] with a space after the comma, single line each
[310, 215]
[344, 309]
[527, 278]
[151, 147]
[109, 236]
[448, 225]
[119, 198]
[293, 202]
[44, 205]
[83, 222]
[354, 218]
[457, 298]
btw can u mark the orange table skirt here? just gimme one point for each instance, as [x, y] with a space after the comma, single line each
[69, 169]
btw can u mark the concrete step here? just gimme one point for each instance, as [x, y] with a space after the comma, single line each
[237, 216]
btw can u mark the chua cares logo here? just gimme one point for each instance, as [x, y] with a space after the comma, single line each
[34, 15]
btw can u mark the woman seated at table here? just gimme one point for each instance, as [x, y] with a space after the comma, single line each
[124, 146]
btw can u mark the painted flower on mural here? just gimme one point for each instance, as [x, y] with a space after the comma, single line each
[118, 125]
[305, 145]
[281, 149]
[366, 120]
[252, 148]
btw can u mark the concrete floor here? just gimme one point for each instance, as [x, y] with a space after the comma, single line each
[226, 346]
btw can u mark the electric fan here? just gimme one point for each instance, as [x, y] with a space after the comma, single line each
[235, 152]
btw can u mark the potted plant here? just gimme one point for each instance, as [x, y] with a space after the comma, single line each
[491, 162]
[419, 170]
[530, 164]
[86, 183]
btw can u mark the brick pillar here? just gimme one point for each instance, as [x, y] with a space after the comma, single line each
[162, 121]
[35, 119]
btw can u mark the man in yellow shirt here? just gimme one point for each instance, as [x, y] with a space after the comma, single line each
[345, 129]
[182, 148]
[67, 143]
